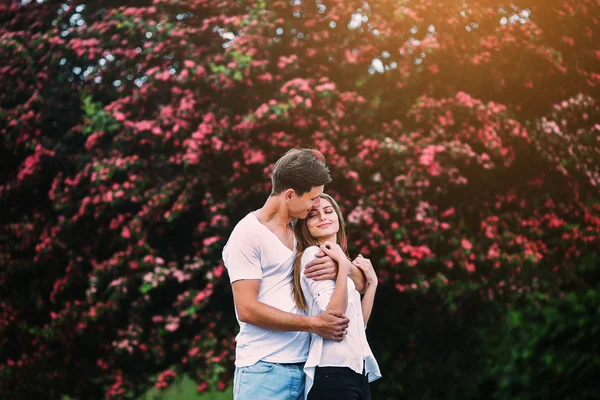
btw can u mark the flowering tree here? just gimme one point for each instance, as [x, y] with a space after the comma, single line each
[462, 138]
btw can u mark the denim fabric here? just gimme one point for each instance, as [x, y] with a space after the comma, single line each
[265, 380]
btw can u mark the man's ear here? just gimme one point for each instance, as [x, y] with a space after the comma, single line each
[288, 195]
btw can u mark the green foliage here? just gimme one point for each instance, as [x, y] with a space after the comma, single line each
[532, 345]
[548, 346]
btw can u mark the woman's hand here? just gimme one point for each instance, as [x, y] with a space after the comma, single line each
[334, 251]
[364, 264]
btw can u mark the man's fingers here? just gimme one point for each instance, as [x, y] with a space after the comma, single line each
[319, 273]
[342, 323]
[325, 276]
[322, 278]
[316, 261]
[318, 256]
[339, 324]
[324, 268]
[310, 268]
[339, 334]
[342, 319]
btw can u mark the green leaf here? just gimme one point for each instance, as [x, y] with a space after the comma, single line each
[145, 287]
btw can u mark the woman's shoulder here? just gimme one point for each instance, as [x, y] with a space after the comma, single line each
[309, 254]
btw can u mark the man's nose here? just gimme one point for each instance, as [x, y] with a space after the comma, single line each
[317, 202]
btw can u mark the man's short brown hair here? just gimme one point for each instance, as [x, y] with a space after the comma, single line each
[301, 170]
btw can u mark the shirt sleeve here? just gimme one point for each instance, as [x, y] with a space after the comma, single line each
[242, 258]
[321, 291]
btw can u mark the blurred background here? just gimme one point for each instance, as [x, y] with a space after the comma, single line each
[463, 142]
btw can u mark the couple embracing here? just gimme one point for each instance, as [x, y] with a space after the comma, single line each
[297, 294]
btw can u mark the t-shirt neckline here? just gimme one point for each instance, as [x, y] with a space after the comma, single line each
[274, 235]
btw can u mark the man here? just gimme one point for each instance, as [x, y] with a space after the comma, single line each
[274, 337]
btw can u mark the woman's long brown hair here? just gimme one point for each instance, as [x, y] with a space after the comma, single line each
[304, 240]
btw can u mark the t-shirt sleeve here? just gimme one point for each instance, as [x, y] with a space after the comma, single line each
[242, 258]
[321, 291]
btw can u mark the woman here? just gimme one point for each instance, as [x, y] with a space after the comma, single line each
[334, 370]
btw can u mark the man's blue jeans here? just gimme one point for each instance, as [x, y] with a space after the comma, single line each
[265, 380]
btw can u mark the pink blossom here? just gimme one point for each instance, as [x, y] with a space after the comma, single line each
[172, 326]
[448, 212]
[208, 241]
[466, 244]
[470, 267]
[326, 86]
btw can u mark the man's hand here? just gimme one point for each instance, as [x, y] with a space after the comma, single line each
[321, 268]
[330, 325]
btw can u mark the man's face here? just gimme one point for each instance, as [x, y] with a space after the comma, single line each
[300, 206]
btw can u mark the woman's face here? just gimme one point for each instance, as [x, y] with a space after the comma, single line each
[322, 221]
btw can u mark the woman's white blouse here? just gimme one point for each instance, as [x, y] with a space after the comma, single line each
[351, 352]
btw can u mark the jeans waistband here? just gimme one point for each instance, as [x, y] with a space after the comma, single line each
[298, 364]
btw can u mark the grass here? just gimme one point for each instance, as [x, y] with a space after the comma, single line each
[185, 389]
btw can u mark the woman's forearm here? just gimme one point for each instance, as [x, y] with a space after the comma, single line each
[368, 300]
[339, 298]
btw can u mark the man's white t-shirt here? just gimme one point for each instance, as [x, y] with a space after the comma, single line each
[254, 252]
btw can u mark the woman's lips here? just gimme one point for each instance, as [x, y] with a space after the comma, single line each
[324, 225]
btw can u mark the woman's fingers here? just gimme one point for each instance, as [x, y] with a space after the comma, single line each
[362, 263]
[366, 268]
[328, 252]
[329, 244]
[361, 266]
[332, 250]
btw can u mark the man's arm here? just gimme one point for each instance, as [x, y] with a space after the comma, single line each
[323, 268]
[329, 325]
